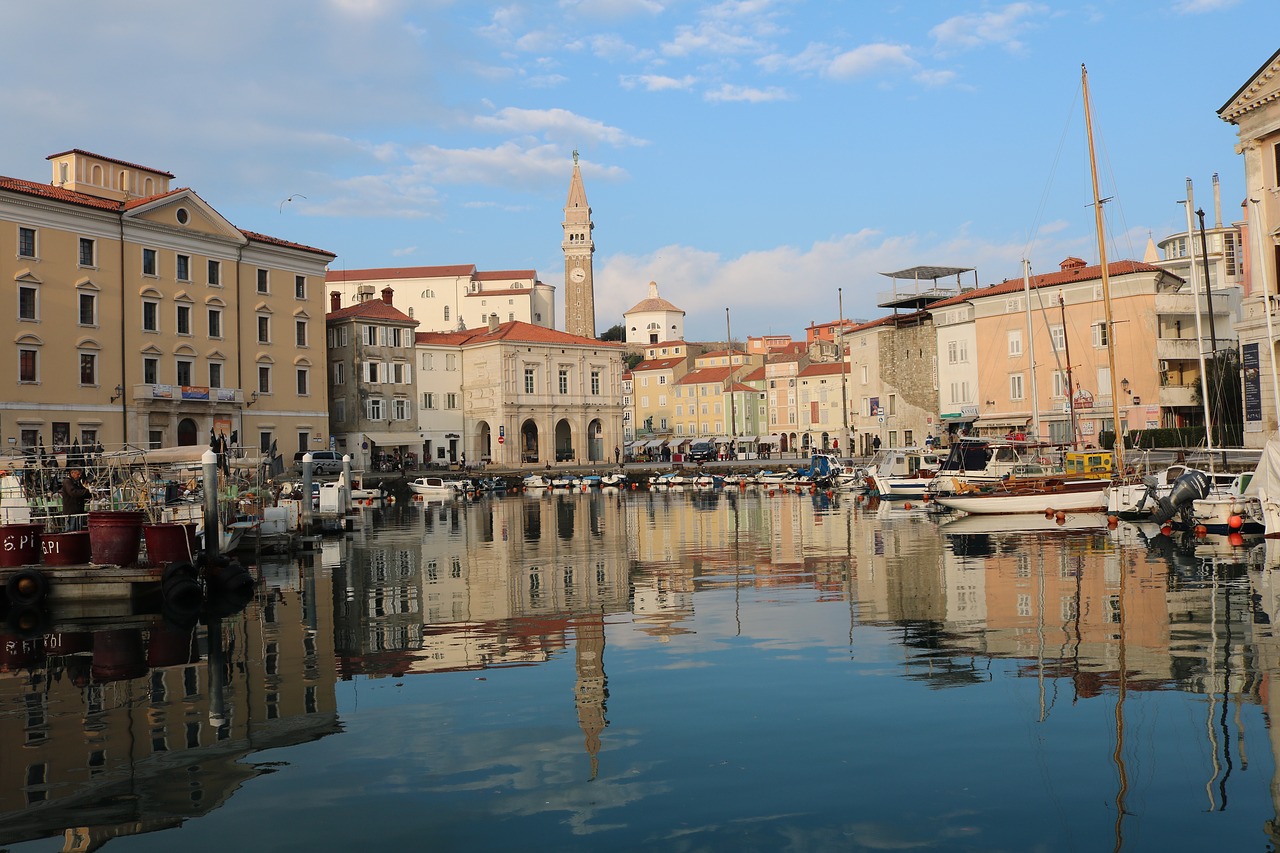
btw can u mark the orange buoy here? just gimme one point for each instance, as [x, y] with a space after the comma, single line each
[1235, 522]
[1048, 512]
[1167, 530]
[1112, 521]
[1060, 516]
[907, 505]
[1236, 539]
[1201, 530]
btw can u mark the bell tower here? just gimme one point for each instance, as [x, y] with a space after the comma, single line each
[580, 302]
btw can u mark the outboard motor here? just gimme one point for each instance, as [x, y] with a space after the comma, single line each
[1191, 486]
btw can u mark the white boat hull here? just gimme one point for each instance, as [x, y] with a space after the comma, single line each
[999, 503]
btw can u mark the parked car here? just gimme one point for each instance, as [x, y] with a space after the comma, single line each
[702, 451]
[322, 461]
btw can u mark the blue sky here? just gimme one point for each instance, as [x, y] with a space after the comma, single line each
[749, 154]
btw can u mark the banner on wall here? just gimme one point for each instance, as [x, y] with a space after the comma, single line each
[1252, 382]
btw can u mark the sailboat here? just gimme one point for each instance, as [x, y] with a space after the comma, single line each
[1038, 494]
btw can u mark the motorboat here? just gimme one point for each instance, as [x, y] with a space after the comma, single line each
[982, 462]
[432, 488]
[904, 474]
[1039, 494]
[535, 481]
[613, 478]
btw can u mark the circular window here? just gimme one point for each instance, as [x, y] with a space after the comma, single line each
[183, 216]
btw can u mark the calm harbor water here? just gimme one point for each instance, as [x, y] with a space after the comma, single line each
[682, 671]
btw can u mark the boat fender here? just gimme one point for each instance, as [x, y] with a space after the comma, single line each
[27, 586]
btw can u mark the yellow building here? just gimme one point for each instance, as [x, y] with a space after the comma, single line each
[139, 315]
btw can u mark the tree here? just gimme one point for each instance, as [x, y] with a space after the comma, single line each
[616, 332]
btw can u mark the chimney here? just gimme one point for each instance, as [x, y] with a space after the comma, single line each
[1072, 263]
[493, 322]
[335, 300]
[386, 295]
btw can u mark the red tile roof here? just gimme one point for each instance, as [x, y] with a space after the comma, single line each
[658, 364]
[1052, 279]
[498, 275]
[371, 309]
[738, 386]
[401, 272]
[757, 375]
[276, 241]
[514, 331]
[110, 160]
[827, 368]
[705, 374]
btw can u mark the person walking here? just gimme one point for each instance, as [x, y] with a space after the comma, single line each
[875, 443]
[74, 495]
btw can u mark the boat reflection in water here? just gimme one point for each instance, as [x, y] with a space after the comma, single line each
[630, 669]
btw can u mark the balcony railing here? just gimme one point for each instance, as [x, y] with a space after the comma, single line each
[1174, 349]
[1178, 395]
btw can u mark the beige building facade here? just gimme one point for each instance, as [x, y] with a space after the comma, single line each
[139, 315]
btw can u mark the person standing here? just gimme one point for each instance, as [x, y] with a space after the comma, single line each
[875, 443]
[74, 496]
[617, 455]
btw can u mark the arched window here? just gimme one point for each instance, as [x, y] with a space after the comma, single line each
[96, 176]
[446, 313]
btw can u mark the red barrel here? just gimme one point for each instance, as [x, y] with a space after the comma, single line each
[118, 655]
[170, 542]
[65, 549]
[170, 646]
[20, 544]
[115, 536]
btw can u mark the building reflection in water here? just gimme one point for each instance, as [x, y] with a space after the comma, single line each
[1093, 615]
[124, 724]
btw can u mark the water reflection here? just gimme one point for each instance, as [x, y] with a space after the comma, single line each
[647, 668]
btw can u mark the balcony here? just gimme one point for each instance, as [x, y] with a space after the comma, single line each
[1177, 349]
[1182, 396]
[144, 394]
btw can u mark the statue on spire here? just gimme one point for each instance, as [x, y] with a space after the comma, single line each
[575, 156]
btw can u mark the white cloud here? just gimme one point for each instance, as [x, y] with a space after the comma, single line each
[870, 59]
[926, 77]
[728, 93]
[406, 251]
[1198, 7]
[655, 82]
[555, 124]
[978, 29]
[612, 9]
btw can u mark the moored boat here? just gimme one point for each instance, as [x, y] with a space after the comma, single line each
[1030, 496]
[431, 488]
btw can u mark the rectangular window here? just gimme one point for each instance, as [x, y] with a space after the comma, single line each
[88, 309]
[564, 381]
[150, 316]
[184, 372]
[149, 262]
[1015, 386]
[26, 303]
[28, 366]
[400, 409]
[339, 373]
[371, 371]
[150, 371]
[264, 329]
[1060, 388]
[1015, 343]
[87, 254]
[215, 374]
[184, 319]
[1099, 334]
[215, 323]
[183, 268]
[26, 242]
[264, 379]
[215, 273]
[1058, 338]
[426, 361]
[528, 380]
[451, 361]
[88, 368]
[451, 401]
[376, 409]
[300, 332]
[264, 282]
[370, 336]
[340, 410]
[300, 286]
[400, 373]
[429, 400]
[595, 382]
[302, 382]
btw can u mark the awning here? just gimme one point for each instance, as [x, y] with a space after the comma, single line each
[655, 443]
[391, 439]
[676, 442]
[772, 439]
[746, 439]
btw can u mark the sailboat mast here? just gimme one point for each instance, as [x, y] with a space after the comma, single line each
[1031, 351]
[1118, 438]
[844, 385]
[1195, 296]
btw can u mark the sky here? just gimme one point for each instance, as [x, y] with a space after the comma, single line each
[764, 161]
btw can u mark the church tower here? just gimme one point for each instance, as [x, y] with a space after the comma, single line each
[580, 301]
